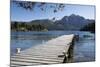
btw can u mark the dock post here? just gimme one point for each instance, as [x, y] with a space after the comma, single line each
[18, 50]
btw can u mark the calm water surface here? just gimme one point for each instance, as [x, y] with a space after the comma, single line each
[84, 49]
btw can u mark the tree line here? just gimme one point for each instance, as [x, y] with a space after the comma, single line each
[89, 27]
[22, 26]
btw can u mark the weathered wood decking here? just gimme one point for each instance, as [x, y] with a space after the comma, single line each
[55, 51]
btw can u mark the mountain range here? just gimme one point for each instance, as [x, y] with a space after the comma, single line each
[72, 22]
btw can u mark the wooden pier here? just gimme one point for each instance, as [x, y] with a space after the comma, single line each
[55, 51]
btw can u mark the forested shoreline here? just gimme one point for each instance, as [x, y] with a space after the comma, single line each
[17, 26]
[90, 27]
[24, 26]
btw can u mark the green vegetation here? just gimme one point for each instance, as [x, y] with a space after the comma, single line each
[89, 27]
[23, 26]
[42, 5]
[45, 25]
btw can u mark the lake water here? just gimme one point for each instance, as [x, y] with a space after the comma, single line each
[84, 49]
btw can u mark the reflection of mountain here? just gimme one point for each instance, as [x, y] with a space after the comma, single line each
[72, 22]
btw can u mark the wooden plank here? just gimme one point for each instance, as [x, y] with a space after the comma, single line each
[15, 65]
[47, 56]
[19, 63]
[34, 61]
[39, 58]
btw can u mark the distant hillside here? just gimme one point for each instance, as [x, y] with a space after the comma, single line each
[89, 27]
[72, 22]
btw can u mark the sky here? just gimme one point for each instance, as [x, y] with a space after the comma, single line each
[20, 14]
